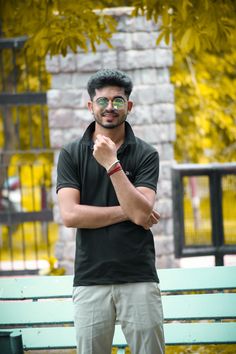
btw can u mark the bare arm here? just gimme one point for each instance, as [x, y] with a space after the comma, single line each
[78, 215]
[137, 203]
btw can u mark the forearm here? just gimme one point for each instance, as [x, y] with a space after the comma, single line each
[92, 217]
[137, 203]
[134, 204]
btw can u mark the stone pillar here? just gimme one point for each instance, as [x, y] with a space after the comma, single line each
[153, 117]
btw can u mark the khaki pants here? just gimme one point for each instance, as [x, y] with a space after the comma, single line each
[137, 307]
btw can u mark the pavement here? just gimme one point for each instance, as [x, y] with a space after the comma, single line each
[188, 262]
[206, 261]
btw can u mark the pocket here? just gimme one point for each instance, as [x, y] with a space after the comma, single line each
[76, 292]
[157, 288]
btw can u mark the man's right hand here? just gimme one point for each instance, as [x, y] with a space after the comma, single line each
[153, 219]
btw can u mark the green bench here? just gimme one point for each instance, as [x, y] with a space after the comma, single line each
[199, 308]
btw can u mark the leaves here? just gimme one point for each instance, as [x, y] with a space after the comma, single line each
[203, 33]
[196, 25]
[205, 106]
[54, 27]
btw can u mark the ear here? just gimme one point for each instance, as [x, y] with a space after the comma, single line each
[90, 106]
[130, 105]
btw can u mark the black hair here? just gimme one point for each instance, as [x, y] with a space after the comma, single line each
[109, 77]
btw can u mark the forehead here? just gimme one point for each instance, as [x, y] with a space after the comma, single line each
[109, 92]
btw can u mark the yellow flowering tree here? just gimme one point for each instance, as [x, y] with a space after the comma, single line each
[203, 34]
[205, 98]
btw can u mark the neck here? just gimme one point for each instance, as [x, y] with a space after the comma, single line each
[117, 135]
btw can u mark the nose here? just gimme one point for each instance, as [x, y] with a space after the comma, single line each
[110, 105]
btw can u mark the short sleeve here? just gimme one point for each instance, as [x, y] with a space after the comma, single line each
[147, 172]
[67, 171]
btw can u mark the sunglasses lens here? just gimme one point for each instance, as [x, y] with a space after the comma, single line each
[118, 103]
[102, 102]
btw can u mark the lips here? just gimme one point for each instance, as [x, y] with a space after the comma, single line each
[110, 115]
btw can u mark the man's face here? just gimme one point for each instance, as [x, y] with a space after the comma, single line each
[110, 106]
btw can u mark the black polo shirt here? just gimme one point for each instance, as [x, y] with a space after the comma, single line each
[123, 252]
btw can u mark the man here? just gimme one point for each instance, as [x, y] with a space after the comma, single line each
[106, 189]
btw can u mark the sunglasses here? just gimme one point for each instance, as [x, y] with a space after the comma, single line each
[117, 102]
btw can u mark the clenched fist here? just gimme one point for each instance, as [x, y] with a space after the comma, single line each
[104, 151]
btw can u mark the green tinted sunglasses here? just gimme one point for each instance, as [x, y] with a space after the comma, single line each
[117, 102]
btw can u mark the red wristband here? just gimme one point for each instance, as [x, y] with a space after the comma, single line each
[115, 169]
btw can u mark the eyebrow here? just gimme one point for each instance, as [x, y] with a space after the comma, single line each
[112, 98]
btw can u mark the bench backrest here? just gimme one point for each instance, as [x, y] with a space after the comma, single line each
[171, 280]
[43, 301]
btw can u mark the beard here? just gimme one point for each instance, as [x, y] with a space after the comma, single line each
[110, 125]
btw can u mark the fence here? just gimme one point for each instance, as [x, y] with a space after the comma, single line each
[27, 233]
[204, 199]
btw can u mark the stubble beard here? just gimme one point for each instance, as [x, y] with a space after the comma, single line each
[108, 125]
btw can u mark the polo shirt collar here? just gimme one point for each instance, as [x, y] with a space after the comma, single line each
[129, 135]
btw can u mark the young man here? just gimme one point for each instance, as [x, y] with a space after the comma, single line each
[106, 188]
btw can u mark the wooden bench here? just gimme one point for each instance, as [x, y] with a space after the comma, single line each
[199, 308]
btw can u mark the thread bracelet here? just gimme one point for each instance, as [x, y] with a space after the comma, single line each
[115, 169]
[112, 165]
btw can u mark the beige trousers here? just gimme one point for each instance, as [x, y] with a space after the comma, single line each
[137, 307]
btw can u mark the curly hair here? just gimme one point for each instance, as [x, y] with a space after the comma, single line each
[109, 77]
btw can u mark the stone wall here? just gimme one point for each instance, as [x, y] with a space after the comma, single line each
[153, 117]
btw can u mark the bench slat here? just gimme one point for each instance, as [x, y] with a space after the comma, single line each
[200, 333]
[171, 280]
[30, 313]
[58, 337]
[199, 306]
[188, 279]
[175, 334]
[181, 307]
[36, 287]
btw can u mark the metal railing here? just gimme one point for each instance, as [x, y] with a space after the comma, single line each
[204, 199]
[27, 231]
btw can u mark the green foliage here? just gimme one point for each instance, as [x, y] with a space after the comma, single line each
[23, 126]
[53, 268]
[196, 25]
[202, 349]
[205, 107]
[56, 26]
[195, 349]
[203, 32]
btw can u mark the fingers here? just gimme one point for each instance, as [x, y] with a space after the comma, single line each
[103, 139]
[99, 138]
[153, 219]
[104, 151]
[156, 214]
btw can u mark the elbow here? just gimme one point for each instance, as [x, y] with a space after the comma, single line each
[68, 220]
[68, 223]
